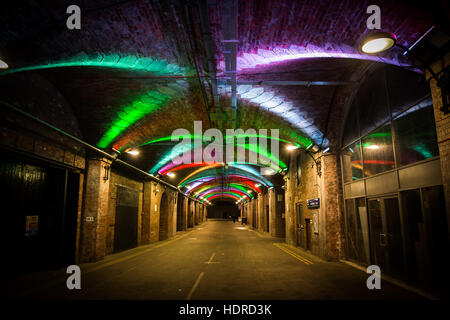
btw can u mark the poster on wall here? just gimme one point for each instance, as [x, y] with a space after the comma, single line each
[315, 223]
[31, 226]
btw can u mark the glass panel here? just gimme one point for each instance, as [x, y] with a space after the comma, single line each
[436, 218]
[377, 151]
[351, 229]
[351, 159]
[377, 236]
[416, 257]
[416, 134]
[351, 131]
[372, 102]
[405, 87]
[394, 236]
[362, 231]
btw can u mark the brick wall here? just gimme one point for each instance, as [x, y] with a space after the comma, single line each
[442, 130]
[325, 243]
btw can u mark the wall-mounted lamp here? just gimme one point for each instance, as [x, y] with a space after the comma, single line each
[106, 175]
[171, 174]
[378, 42]
[133, 152]
[3, 64]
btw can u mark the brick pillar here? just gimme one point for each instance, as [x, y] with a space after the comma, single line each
[93, 223]
[146, 212]
[330, 210]
[185, 213]
[290, 214]
[443, 131]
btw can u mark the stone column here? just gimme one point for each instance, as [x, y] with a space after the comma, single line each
[330, 209]
[443, 131]
[93, 222]
[146, 211]
[185, 213]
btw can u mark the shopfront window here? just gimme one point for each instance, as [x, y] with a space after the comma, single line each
[351, 158]
[416, 134]
[378, 153]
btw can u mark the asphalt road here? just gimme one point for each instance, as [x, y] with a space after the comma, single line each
[217, 260]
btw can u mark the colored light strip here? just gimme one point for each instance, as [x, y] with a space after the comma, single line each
[245, 189]
[223, 195]
[264, 57]
[219, 189]
[115, 61]
[281, 107]
[273, 161]
[130, 114]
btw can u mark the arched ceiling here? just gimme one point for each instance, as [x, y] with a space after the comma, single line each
[138, 70]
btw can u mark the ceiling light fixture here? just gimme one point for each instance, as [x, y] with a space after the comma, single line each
[377, 42]
[3, 64]
[132, 152]
[291, 147]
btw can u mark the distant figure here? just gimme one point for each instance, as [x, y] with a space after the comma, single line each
[234, 219]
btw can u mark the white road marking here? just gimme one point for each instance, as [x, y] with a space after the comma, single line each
[195, 286]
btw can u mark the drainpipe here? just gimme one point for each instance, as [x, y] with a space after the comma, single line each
[230, 42]
[209, 53]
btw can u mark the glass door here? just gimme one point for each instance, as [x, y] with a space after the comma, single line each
[386, 234]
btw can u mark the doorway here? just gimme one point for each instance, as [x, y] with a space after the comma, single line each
[180, 222]
[308, 233]
[386, 234]
[38, 220]
[126, 222]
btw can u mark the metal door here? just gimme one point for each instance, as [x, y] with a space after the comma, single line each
[386, 234]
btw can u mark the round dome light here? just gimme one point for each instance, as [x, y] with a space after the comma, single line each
[378, 42]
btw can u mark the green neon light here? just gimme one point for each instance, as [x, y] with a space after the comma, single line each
[130, 62]
[131, 113]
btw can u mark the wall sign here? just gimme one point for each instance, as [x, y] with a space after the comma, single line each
[31, 226]
[313, 203]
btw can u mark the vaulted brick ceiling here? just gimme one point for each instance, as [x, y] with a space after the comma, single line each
[130, 53]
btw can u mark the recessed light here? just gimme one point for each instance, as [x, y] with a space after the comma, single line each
[3, 64]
